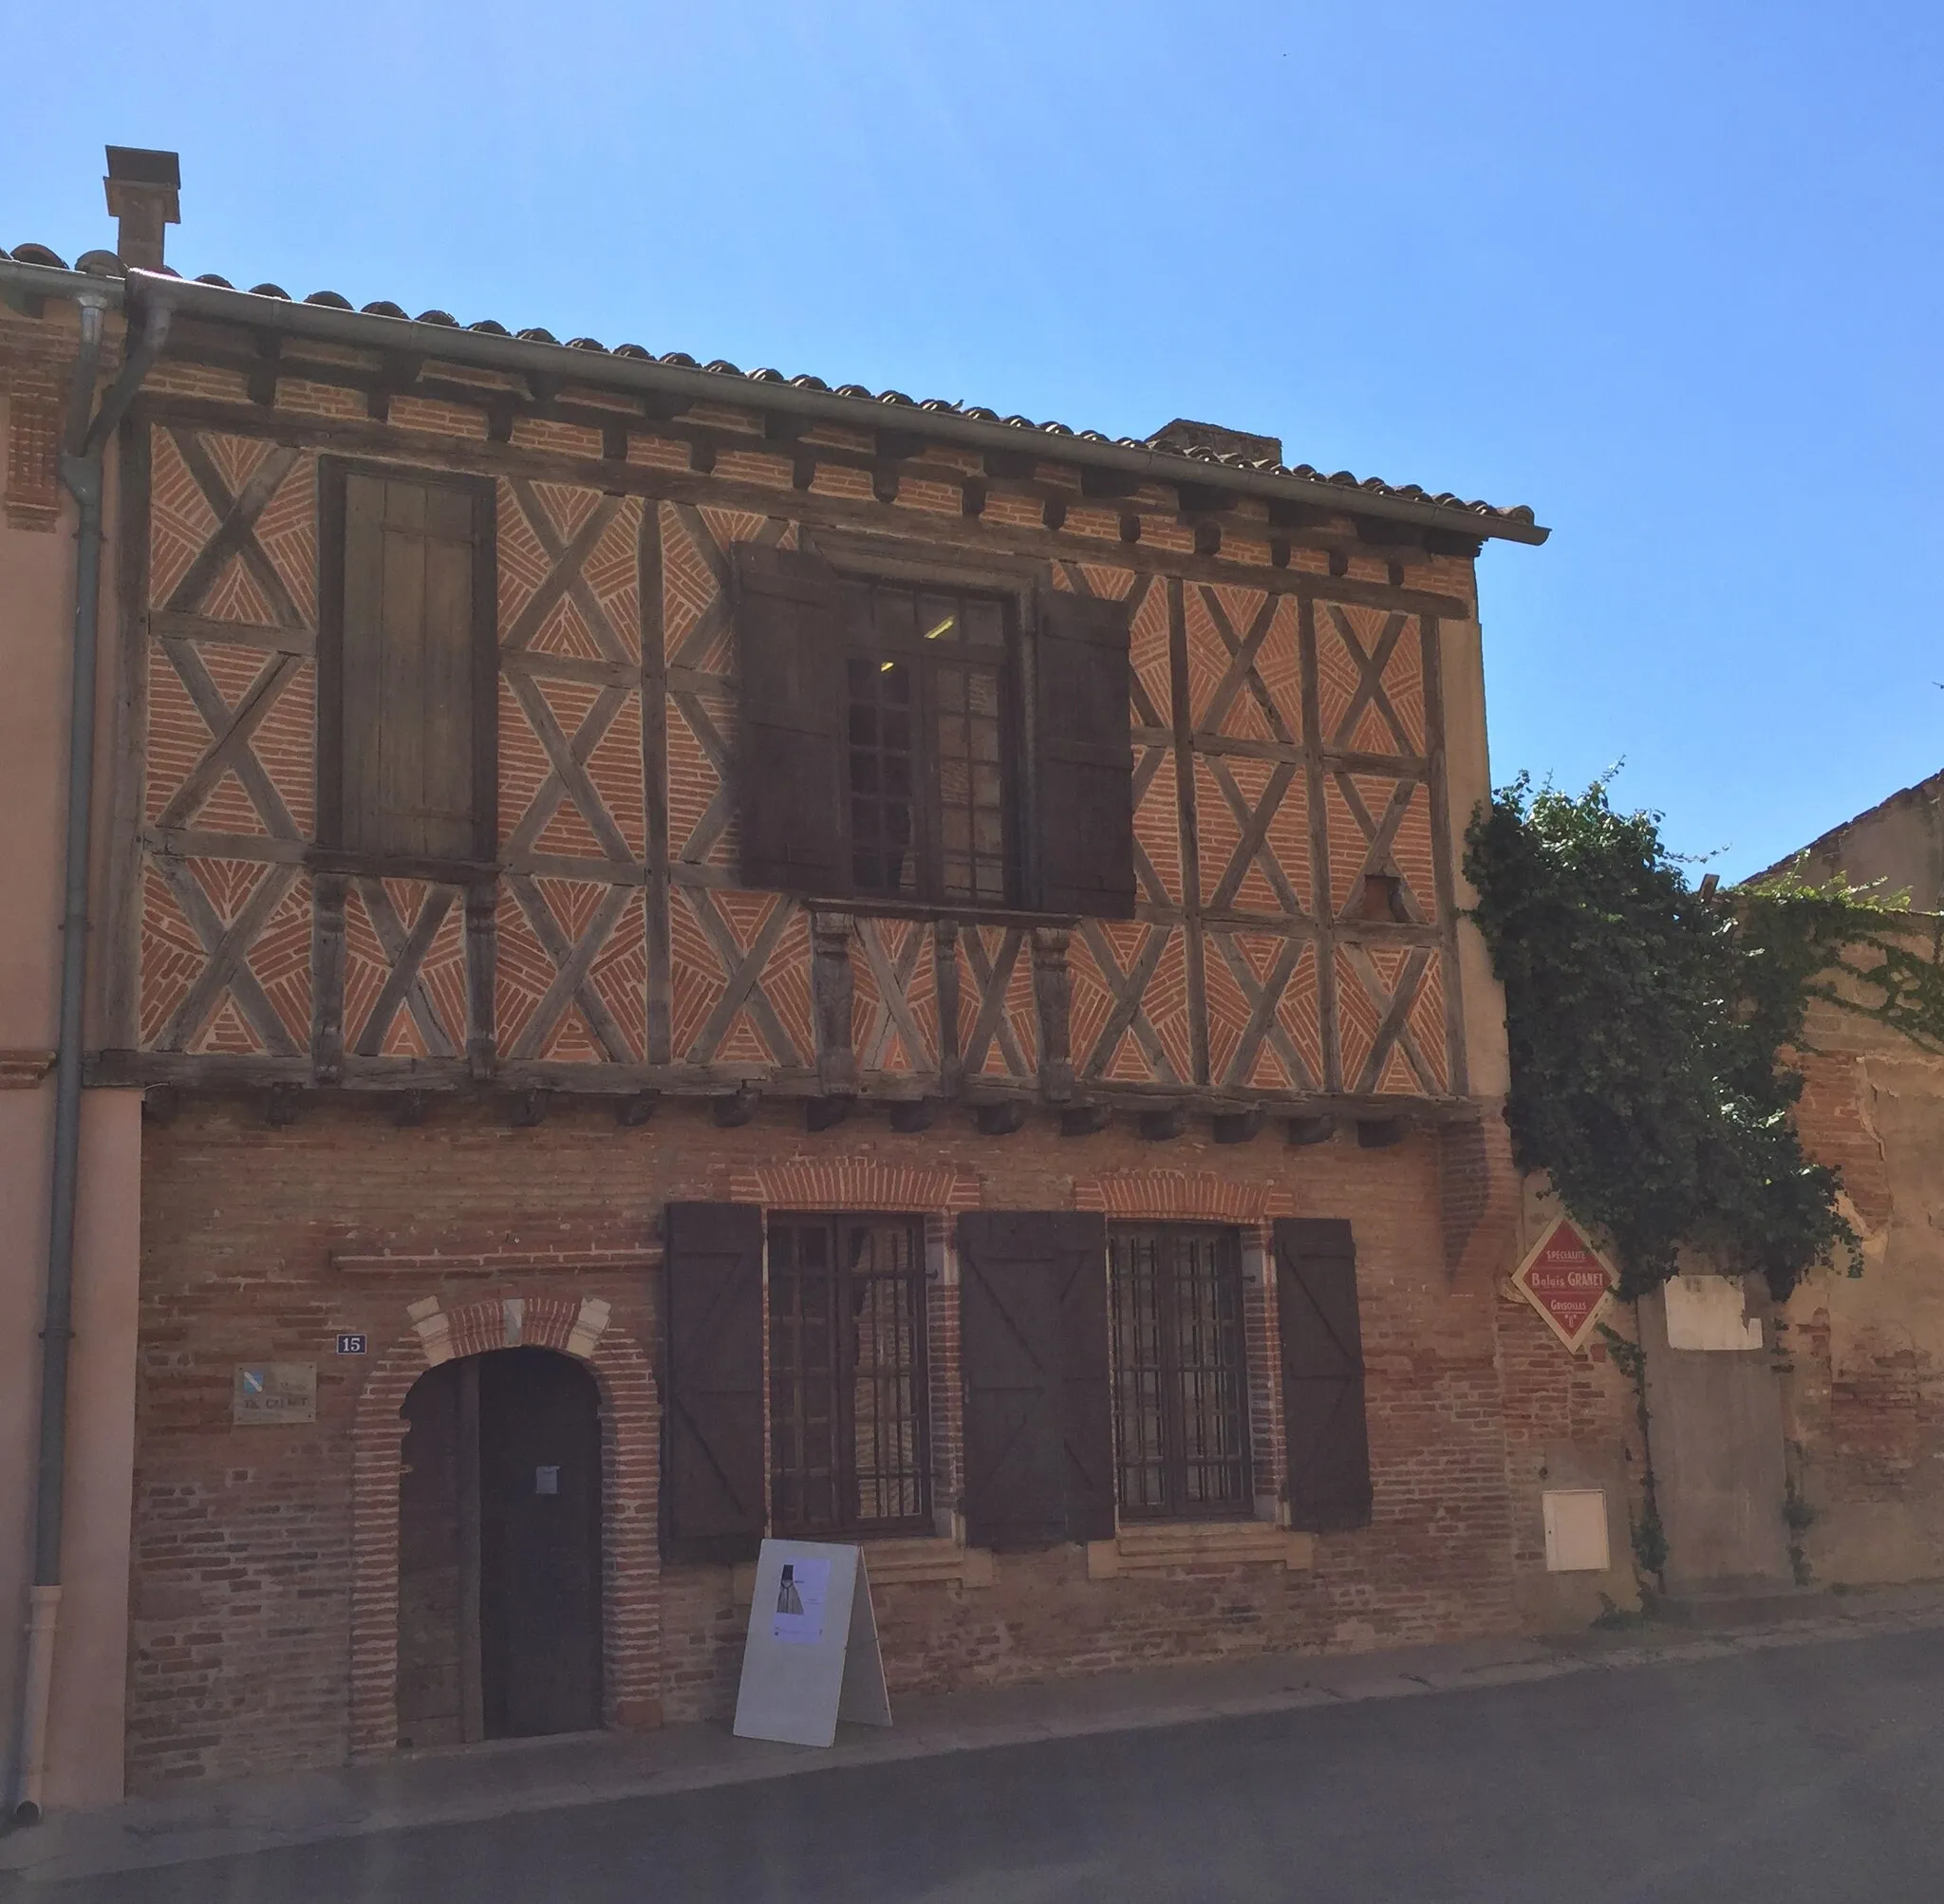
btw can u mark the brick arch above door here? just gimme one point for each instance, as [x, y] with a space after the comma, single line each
[630, 1463]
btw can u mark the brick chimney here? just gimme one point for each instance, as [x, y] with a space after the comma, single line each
[142, 188]
[1185, 434]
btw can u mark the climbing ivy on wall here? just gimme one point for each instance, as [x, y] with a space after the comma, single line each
[1653, 1025]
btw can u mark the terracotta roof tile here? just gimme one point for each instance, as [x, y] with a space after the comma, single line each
[40, 254]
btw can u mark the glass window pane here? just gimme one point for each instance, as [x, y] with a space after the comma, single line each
[897, 614]
[984, 622]
[938, 619]
[1180, 1375]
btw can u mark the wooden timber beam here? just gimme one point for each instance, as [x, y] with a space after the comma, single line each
[963, 534]
[174, 1076]
[385, 332]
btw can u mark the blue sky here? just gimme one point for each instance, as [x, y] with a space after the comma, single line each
[1669, 274]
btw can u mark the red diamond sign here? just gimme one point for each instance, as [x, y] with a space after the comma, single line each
[1568, 1281]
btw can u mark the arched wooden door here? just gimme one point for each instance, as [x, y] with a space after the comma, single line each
[499, 1550]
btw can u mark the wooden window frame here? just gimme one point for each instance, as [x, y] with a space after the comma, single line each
[927, 849]
[1016, 586]
[332, 473]
[1172, 1415]
[850, 1521]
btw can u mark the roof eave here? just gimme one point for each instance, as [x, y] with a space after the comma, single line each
[373, 330]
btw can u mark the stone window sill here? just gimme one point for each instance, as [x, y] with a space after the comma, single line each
[911, 1562]
[1160, 1545]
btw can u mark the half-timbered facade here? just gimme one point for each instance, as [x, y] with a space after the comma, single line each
[703, 956]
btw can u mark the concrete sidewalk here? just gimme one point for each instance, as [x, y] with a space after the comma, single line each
[486, 1782]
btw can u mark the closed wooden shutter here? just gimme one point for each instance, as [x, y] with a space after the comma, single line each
[789, 765]
[409, 668]
[1083, 794]
[1322, 1375]
[1034, 1348]
[712, 1496]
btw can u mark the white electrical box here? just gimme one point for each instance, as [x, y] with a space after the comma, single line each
[1576, 1539]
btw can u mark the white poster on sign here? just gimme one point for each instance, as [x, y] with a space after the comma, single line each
[802, 1591]
[811, 1656]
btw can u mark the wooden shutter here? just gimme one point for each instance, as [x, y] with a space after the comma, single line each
[1034, 1348]
[1322, 1375]
[790, 766]
[1083, 793]
[712, 1494]
[410, 666]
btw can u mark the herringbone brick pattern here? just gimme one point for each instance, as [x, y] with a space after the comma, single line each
[1219, 983]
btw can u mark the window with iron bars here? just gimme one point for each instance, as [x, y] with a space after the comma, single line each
[849, 1442]
[928, 694]
[1181, 1385]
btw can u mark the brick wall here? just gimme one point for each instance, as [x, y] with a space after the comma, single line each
[246, 1577]
[1863, 1356]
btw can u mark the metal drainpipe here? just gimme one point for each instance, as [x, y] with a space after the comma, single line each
[82, 453]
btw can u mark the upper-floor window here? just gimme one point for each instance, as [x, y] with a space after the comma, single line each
[927, 684]
[407, 663]
[932, 741]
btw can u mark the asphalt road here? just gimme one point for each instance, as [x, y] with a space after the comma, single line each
[1806, 1772]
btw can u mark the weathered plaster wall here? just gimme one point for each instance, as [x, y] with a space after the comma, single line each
[1900, 843]
[35, 584]
[1865, 1397]
[1571, 1421]
[37, 551]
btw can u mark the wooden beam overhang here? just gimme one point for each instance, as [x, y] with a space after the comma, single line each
[632, 1093]
[555, 367]
[436, 449]
[887, 458]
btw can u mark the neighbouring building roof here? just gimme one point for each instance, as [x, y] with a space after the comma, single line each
[1899, 843]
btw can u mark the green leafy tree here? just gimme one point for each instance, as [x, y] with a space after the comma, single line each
[1651, 1026]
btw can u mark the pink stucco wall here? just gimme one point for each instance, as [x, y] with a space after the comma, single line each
[36, 608]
